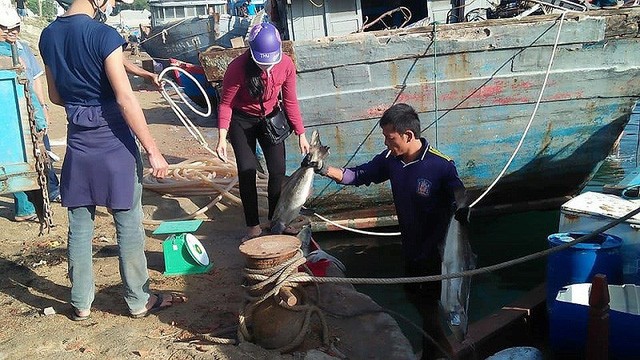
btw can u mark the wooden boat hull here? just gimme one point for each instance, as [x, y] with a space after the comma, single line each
[475, 86]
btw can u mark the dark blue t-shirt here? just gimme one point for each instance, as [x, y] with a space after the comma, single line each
[423, 194]
[74, 48]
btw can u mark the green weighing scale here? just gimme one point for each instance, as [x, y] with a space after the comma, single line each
[183, 252]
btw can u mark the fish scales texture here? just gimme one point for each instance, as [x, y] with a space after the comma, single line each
[297, 188]
[457, 257]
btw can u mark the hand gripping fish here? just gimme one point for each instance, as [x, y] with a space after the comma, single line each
[454, 299]
[297, 188]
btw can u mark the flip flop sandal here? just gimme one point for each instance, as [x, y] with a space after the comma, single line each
[157, 305]
[75, 316]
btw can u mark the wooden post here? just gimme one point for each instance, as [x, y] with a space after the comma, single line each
[598, 328]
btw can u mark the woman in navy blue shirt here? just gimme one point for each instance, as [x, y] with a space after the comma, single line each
[85, 71]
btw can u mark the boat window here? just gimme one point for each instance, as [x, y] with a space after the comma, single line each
[221, 9]
[190, 11]
[157, 12]
[201, 10]
[169, 12]
[179, 12]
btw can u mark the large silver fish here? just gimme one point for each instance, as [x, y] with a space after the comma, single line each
[297, 188]
[457, 257]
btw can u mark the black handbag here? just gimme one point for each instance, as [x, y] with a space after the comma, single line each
[275, 125]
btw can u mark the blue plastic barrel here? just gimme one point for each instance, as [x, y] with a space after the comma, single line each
[579, 263]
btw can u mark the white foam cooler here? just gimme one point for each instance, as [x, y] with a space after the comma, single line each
[591, 210]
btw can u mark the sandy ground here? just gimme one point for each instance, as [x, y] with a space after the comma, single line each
[35, 272]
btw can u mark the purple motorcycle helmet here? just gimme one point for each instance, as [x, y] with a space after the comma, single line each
[265, 44]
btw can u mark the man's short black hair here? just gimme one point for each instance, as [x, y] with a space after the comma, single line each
[401, 117]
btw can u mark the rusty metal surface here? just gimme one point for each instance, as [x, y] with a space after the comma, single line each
[215, 60]
[267, 251]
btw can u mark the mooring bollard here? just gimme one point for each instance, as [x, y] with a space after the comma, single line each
[598, 326]
[269, 321]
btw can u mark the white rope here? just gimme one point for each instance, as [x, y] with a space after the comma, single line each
[193, 130]
[535, 110]
[357, 231]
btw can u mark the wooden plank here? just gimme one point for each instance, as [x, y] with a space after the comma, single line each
[514, 325]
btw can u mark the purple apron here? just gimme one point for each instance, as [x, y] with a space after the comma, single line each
[100, 163]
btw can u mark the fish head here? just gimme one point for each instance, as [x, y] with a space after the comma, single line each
[458, 322]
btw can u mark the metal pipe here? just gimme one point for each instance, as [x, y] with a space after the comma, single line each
[14, 55]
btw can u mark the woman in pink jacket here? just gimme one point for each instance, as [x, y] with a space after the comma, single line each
[250, 92]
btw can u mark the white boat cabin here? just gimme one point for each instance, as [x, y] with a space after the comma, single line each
[307, 20]
[163, 11]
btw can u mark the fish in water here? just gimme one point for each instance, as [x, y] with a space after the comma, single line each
[297, 188]
[454, 299]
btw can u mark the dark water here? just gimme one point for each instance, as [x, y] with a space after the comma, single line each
[494, 240]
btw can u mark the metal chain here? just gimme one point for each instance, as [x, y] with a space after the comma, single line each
[42, 160]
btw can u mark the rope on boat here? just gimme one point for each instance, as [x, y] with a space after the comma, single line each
[357, 231]
[164, 31]
[435, 81]
[535, 111]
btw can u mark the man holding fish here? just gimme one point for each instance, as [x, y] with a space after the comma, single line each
[426, 187]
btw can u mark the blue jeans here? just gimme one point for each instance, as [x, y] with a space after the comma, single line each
[22, 205]
[133, 263]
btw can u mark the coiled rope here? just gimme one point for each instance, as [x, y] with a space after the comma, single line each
[273, 279]
[193, 130]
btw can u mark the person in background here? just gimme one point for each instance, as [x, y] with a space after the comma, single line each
[22, 11]
[10, 23]
[85, 71]
[426, 189]
[250, 90]
[251, 8]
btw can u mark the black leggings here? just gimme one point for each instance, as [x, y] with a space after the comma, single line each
[243, 133]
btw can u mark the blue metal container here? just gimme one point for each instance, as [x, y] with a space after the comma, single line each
[17, 162]
[579, 263]
[569, 320]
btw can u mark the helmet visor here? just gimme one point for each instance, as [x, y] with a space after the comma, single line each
[266, 58]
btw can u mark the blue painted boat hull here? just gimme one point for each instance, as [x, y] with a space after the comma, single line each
[475, 86]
